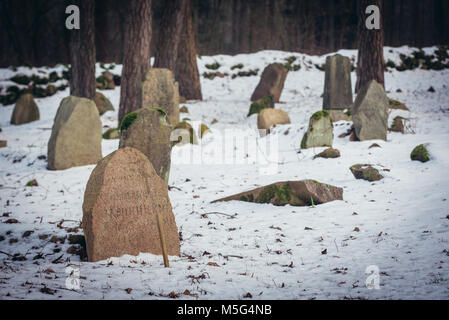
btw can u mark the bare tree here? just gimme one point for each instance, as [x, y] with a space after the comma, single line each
[82, 52]
[370, 64]
[169, 35]
[136, 54]
[186, 71]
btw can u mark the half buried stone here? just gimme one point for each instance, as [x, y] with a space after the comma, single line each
[294, 193]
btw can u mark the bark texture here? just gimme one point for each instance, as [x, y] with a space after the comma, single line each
[136, 55]
[370, 63]
[186, 71]
[171, 24]
[82, 52]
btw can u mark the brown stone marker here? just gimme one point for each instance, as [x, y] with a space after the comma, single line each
[123, 197]
[271, 82]
[25, 110]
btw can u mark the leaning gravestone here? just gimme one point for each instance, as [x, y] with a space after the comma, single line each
[271, 82]
[370, 112]
[148, 131]
[337, 83]
[160, 90]
[294, 193]
[320, 132]
[25, 110]
[122, 200]
[76, 135]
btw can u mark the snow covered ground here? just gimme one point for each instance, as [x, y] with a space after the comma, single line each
[232, 249]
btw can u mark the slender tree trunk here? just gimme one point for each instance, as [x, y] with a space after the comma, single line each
[82, 52]
[136, 55]
[169, 34]
[186, 72]
[370, 64]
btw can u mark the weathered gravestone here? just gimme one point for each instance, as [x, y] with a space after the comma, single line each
[76, 135]
[294, 193]
[103, 104]
[337, 83]
[370, 112]
[25, 110]
[271, 82]
[320, 132]
[160, 90]
[268, 118]
[148, 131]
[122, 200]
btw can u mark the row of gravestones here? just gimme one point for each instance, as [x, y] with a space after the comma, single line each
[369, 112]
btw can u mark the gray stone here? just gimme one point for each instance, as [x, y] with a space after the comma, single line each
[76, 135]
[370, 112]
[320, 132]
[160, 90]
[337, 83]
[149, 132]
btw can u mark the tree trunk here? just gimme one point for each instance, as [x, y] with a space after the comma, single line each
[186, 72]
[170, 28]
[370, 64]
[136, 55]
[82, 52]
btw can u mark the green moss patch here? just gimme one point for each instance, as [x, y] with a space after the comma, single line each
[128, 121]
[259, 105]
[420, 153]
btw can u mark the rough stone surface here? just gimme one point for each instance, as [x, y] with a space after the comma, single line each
[150, 134]
[329, 153]
[320, 132]
[25, 110]
[337, 84]
[271, 82]
[160, 90]
[370, 113]
[122, 199]
[76, 135]
[103, 104]
[3, 143]
[340, 115]
[295, 193]
[268, 118]
[366, 172]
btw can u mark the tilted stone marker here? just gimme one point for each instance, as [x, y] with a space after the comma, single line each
[25, 110]
[268, 118]
[294, 193]
[160, 90]
[76, 135]
[320, 132]
[370, 112]
[271, 82]
[337, 83]
[122, 199]
[148, 131]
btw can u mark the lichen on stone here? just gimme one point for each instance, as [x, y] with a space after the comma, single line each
[420, 153]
